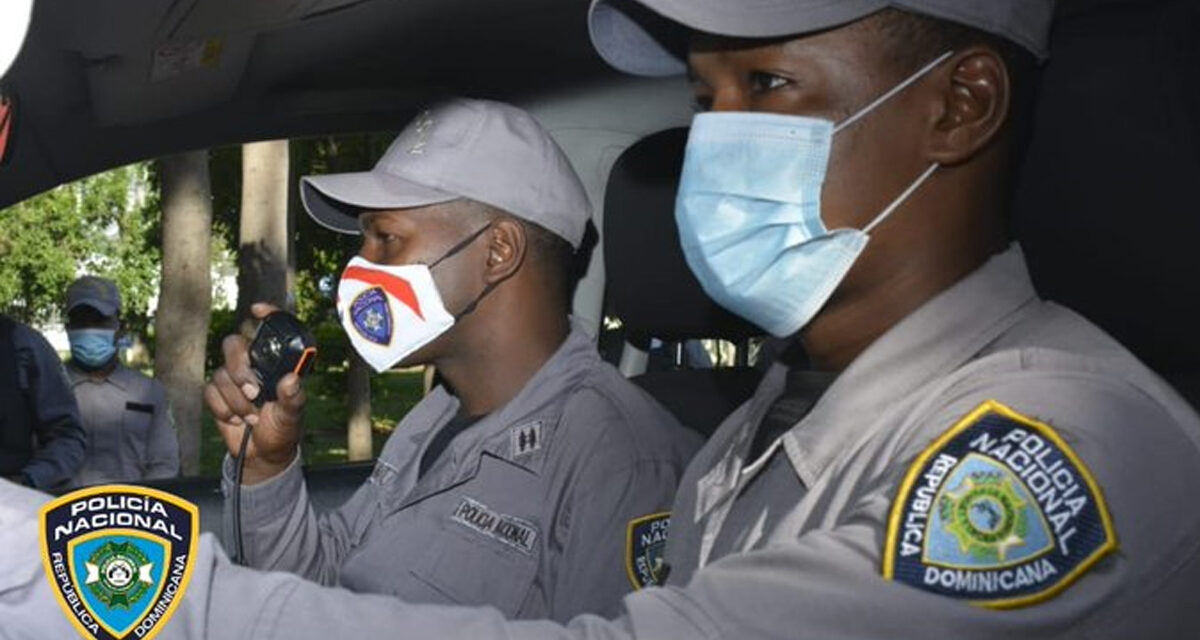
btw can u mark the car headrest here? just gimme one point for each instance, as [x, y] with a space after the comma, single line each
[1107, 208]
[650, 287]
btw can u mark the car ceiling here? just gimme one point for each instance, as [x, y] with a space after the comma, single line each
[101, 83]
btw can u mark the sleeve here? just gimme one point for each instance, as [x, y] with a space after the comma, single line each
[827, 583]
[62, 442]
[620, 492]
[162, 451]
[280, 528]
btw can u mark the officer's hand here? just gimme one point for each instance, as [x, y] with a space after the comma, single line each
[276, 426]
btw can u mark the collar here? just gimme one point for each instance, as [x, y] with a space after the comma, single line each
[518, 432]
[119, 377]
[937, 338]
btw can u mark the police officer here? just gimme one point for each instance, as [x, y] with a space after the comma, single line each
[519, 481]
[131, 435]
[984, 464]
[41, 440]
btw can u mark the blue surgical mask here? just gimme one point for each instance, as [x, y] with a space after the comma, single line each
[92, 348]
[749, 213]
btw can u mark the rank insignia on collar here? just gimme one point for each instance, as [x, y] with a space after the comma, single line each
[645, 541]
[998, 511]
[119, 558]
[526, 438]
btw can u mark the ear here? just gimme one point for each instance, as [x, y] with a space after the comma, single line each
[506, 247]
[973, 107]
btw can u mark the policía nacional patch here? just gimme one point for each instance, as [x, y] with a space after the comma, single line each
[645, 541]
[119, 558]
[510, 530]
[371, 316]
[998, 511]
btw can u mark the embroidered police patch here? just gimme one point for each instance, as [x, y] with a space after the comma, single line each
[371, 316]
[645, 540]
[119, 558]
[998, 511]
[510, 530]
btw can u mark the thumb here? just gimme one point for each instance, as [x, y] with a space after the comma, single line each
[290, 398]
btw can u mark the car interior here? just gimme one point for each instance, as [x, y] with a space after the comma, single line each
[1101, 206]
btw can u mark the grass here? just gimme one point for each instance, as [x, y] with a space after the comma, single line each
[393, 394]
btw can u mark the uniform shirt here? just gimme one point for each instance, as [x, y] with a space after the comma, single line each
[528, 510]
[60, 437]
[131, 435]
[812, 569]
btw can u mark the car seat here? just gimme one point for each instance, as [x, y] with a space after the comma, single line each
[653, 293]
[1106, 208]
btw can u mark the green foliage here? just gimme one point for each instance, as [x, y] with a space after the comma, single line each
[393, 394]
[104, 225]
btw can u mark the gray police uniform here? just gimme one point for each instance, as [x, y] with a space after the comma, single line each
[529, 510]
[793, 545]
[131, 435]
[51, 409]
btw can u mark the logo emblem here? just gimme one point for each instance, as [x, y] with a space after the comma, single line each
[645, 541]
[371, 316]
[998, 511]
[119, 558]
[421, 128]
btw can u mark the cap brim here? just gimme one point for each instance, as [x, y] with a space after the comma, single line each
[650, 37]
[334, 201]
[105, 307]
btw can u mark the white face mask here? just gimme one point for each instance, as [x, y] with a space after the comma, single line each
[391, 311]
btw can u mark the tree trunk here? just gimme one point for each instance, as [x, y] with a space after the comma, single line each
[263, 231]
[358, 383]
[185, 297]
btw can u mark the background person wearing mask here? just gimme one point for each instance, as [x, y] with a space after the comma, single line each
[518, 481]
[130, 433]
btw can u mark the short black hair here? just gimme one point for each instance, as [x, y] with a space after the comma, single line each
[914, 40]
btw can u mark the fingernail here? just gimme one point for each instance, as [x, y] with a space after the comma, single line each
[235, 421]
[252, 419]
[251, 390]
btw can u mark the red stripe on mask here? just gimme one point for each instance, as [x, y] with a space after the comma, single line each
[398, 287]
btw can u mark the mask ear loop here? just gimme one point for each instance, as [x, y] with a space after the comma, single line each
[891, 208]
[450, 253]
[461, 245]
[892, 92]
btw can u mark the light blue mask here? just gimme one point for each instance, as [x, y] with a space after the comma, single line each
[749, 213]
[92, 348]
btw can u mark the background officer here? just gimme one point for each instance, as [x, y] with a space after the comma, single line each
[41, 440]
[131, 435]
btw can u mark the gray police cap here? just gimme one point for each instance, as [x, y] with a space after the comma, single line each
[97, 293]
[485, 151]
[649, 37]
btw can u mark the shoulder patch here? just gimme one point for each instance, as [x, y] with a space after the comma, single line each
[645, 541]
[998, 511]
[119, 558]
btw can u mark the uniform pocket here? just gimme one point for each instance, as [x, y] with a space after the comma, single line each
[481, 557]
[135, 430]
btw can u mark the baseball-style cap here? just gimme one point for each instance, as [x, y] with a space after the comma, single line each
[649, 37]
[95, 292]
[486, 151]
